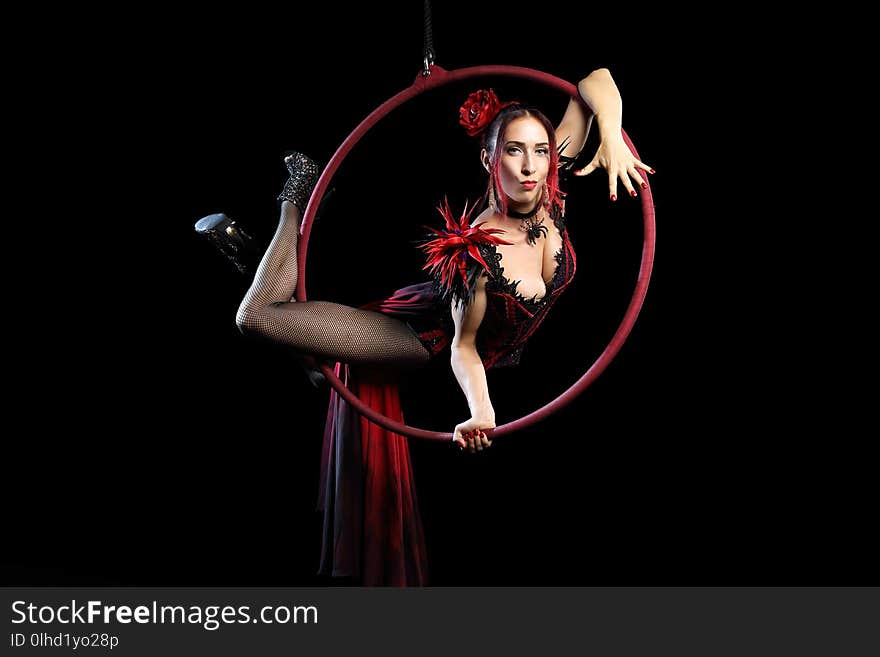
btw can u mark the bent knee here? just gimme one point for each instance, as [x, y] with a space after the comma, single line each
[247, 319]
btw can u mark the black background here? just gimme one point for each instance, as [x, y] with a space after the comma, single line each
[151, 444]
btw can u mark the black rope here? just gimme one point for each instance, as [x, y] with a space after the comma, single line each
[429, 40]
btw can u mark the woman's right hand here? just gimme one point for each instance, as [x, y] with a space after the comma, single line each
[469, 435]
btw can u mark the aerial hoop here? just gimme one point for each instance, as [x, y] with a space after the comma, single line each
[437, 77]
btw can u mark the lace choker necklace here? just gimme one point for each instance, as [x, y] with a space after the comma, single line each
[524, 215]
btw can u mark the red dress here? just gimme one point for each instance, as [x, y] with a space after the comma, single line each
[372, 525]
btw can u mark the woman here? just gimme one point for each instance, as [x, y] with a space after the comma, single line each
[495, 280]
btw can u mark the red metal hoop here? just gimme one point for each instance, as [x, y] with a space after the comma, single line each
[437, 78]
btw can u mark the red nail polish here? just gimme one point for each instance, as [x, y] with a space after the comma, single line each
[633, 193]
[613, 197]
[644, 185]
[651, 171]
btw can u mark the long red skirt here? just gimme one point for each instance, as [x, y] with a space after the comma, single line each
[372, 525]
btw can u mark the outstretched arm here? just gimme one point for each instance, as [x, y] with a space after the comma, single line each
[601, 96]
[469, 371]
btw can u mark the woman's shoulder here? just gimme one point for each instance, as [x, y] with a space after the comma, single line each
[488, 217]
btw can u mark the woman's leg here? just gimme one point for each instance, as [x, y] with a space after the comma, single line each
[325, 329]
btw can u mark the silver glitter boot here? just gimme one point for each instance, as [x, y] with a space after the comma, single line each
[303, 177]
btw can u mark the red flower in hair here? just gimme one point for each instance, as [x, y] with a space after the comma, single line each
[448, 253]
[479, 110]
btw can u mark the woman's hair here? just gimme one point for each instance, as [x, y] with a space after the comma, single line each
[492, 142]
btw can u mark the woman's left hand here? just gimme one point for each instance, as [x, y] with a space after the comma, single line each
[469, 435]
[614, 156]
[476, 441]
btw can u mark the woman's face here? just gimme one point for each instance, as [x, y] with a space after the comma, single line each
[525, 162]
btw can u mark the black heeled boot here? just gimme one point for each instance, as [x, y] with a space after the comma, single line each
[231, 241]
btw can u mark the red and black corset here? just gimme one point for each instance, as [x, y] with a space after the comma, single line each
[510, 318]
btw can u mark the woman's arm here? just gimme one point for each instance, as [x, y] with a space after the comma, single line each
[469, 371]
[600, 94]
[601, 100]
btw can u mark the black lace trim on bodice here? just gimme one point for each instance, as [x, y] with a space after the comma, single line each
[498, 283]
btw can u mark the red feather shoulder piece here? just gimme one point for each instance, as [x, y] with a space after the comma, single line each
[454, 253]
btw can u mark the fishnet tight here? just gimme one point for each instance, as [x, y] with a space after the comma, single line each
[325, 329]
